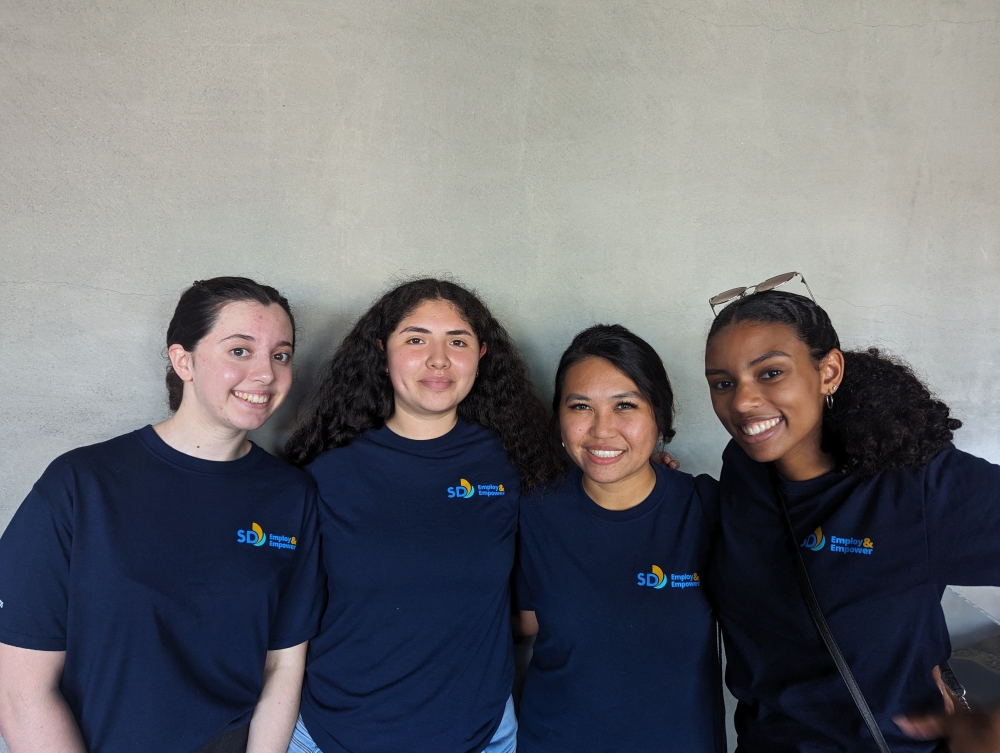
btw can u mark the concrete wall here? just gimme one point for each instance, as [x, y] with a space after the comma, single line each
[574, 161]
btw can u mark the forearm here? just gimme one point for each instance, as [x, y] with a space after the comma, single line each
[38, 723]
[278, 707]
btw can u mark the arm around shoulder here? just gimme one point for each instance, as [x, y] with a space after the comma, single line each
[34, 715]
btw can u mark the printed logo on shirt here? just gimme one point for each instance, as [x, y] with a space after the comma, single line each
[815, 540]
[658, 579]
[1, 605]
[464, 490]
[839, 544]
[255, 536]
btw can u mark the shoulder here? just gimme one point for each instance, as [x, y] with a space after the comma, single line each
[94, 457]
[282, 470]
[955, 467]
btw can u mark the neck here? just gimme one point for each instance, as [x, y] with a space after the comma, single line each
[189, 433]
[624, 493]
[804, 466]
[413, 426]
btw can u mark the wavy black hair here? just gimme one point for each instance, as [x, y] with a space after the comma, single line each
[356, 393]
[198, 310]
[883, 416]
[632, 356]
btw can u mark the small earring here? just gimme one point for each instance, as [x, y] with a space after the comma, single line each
[563, 444]
[829, 400]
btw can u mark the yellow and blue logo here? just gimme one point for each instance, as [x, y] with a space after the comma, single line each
[464, 490]
[655, 579]
[658, 579]
[839, 544]
[815, 540]
[255, 535]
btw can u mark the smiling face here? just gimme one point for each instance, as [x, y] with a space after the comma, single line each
[433, 356]
[608, 428]
[240, 372]
[768, 393]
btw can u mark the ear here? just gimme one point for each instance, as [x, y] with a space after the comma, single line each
[831, 371]
[181, 361]
[380, 345]
[482, 350]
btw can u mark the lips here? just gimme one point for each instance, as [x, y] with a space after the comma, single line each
[760, 430]
[438, 385]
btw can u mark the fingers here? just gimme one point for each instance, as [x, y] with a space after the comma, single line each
[928, 727]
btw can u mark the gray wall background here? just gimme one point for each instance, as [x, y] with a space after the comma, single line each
[574, 161]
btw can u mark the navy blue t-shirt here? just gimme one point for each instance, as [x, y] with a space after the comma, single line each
[626, 657]
[165, 578]
[879, 554]
[415, 651]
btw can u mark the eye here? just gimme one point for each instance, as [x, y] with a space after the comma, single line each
[282, 357]
[578, 406]
[459, 343]
[415, 341]
[771, 373]
[721, 385]
[625, 405]
[239, 352]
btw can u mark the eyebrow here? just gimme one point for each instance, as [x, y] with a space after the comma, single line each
[252, 339]
[769, 354]
[425, 331]
[619, 396]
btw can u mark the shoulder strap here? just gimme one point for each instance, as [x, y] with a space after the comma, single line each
[820, 621]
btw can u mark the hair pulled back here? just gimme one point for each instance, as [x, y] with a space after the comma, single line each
[198, 310]
[632, 356]
[883, 416]
[356, 394]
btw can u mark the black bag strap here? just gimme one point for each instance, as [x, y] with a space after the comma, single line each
[820, 621]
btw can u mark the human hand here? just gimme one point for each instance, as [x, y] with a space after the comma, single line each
[664, 458]
[965, 731]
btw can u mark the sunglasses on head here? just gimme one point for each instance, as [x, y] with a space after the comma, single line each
[761, 287]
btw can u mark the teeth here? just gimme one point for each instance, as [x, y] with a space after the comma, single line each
[250, 398]
[755, 429]
[606, 453]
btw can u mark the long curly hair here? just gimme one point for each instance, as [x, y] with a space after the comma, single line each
[883, 417]
[356, 394]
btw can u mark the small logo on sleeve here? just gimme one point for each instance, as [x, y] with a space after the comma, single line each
[464, 490]
[256, 537]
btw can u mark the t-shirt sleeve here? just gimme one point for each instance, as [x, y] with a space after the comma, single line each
[35, 564]
[522, 592]
[962, 508]
[301, 603]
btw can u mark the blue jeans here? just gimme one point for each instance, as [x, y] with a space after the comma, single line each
[504, 741]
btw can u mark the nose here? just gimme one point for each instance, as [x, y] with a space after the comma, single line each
[437, 357]
[264, 370]
[603, 425]
[746, 396]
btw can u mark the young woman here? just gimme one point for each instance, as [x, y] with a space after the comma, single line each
[423, 432]
[885, 512]
[610, 565]
[158, 589]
